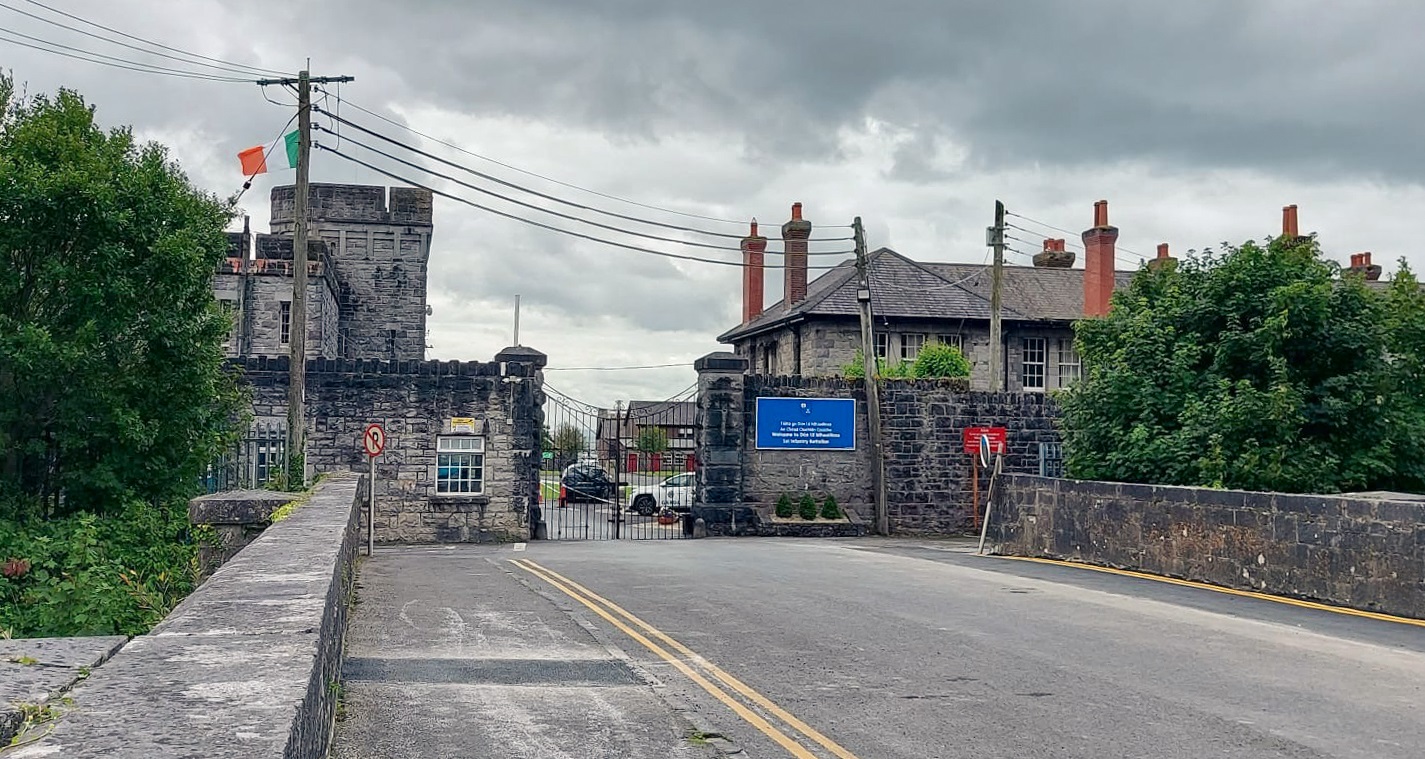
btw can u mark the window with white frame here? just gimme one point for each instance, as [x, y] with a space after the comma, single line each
[284, 335]
[1031, 372]
[460, 465]
[883, 345]
[1069, 368]
[954, 341]
[911, 343]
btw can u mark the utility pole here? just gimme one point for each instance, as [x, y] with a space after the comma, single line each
[996, 240]
[297, 320]
[872, 378]
[517, 321]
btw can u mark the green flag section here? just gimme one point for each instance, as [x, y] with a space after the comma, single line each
[260, 160]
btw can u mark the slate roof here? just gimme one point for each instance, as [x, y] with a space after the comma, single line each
[902, 288]
[663, 413]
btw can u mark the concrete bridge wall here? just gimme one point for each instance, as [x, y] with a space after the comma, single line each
[247, 667]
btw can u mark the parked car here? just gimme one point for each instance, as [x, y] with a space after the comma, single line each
[673, 494]
[586, 483]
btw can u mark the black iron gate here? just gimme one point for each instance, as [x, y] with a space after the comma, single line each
[628, 472]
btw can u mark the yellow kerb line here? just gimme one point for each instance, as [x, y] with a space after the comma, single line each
[1219, 589]
[716, 671]
[752, 718]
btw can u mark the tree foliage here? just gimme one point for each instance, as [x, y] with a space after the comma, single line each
[569, 440]
[1260, 367]
[939, 360]
[112, 387]
[651, 440]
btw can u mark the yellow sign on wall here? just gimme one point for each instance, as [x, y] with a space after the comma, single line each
[462, 424]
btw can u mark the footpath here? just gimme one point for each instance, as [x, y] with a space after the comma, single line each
[449, 655]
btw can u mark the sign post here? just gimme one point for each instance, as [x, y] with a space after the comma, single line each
[373, 440]
[980, 443]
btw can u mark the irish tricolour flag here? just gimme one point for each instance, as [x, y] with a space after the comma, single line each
[261, 159]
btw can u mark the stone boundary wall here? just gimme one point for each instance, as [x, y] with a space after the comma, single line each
[415, 401]
[1363, 551]
[929, 483]
[246, 667]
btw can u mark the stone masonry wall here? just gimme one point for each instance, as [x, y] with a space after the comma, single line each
[928, 475]
[380, 255]
[414, 402]
[1361, 551]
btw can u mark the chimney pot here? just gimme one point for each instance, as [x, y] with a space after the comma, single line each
[1162, 250]
[1100, 213]
[1366, 258]
[1289, 225]
[796, 211]
[753, 233]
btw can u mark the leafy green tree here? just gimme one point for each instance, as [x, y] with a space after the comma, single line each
[1256, 368]
[569, 441]
[112, 386]
[940, 360]
[830, 509]
[651, 440]
[784, 507]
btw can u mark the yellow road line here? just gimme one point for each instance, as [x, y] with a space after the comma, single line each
[717, 672]
[1229, 591]
[752, 718]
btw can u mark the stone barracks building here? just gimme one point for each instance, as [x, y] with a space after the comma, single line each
[461, 462]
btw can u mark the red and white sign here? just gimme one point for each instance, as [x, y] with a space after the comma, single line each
[997, 437]
[373, 440]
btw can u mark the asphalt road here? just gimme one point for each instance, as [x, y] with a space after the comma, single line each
[904, 649]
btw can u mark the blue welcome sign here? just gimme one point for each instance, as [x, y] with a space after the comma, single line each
[820, 424]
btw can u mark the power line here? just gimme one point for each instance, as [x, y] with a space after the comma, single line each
[225, 70]
[541, 209]
[1065, 231]
[531, 222]
[537, 193]
[83, 55]
[526, 172]
[229, 64]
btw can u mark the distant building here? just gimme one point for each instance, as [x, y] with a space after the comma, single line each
[674, 423]
[815, 329]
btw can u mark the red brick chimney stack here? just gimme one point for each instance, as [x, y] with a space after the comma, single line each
[1099, 252]
[1361, 262]
[794, 244]
[1289, 227]
[1163, 259]
[754, 248]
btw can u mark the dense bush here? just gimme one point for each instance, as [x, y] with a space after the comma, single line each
[940, 360]
[784, 507]
[830, 509]
[807, 508]
[95, 575]
[1261, 367]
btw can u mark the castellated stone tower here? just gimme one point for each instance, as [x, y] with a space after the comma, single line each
[379, 248]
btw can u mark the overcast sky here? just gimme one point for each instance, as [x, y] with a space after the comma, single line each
[1197, 121]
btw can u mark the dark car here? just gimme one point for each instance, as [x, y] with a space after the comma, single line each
[586, 483]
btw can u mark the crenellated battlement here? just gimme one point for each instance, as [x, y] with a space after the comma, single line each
[355, 204]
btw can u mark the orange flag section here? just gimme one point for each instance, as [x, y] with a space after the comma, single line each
[254, 161]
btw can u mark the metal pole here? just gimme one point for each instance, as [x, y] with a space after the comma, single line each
[989, 503]
[975, 490]
[872, 379]
[371, 508]
[997, 368]
[517, 321]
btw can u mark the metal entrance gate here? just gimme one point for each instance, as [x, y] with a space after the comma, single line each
[625, 473]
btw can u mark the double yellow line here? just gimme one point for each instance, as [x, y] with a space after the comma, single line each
[626, 623]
